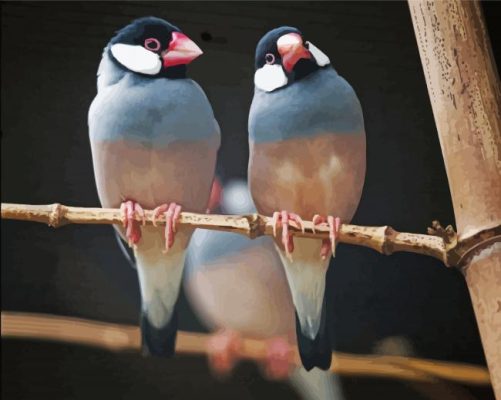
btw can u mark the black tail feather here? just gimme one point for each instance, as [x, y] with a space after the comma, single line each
[318, 352]
[160, 342]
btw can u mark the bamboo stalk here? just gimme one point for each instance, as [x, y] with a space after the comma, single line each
[115, 337]
[440, 243]
[465, 95]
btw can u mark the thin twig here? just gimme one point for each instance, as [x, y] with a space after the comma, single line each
[441, 244]
[115, 337]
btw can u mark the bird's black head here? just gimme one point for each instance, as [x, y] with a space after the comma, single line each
[153, 47]
[282, 57]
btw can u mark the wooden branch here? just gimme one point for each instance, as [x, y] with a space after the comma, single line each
[115, 337]
[384, 239]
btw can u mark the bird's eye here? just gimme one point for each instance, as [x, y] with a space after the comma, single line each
[269, 58]
[152, 44]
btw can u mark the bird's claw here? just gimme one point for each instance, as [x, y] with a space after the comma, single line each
[129, 210]
[223, 351]
[317, 219]
[283, 218]
[278, 360]
[171, 212]
[328, 245]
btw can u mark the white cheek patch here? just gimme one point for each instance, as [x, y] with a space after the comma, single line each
[270, 77]
[137, 58]
[321, 59]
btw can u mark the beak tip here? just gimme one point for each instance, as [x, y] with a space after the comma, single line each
[182, 50]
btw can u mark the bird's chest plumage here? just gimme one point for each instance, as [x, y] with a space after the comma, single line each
[319, 175]
[153, 142]
[210, 283]
[307, 148]
[152, 112]
[181, 172]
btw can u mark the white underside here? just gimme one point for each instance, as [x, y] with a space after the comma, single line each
[159, 276]
[316, 384]
[306, 277]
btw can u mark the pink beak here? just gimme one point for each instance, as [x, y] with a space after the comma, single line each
[182, 50]
[291, 49]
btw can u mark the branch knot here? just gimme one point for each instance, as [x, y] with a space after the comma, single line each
[255, 225]
[448, 234]
[56, 215]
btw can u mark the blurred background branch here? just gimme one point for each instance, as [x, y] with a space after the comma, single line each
[116, 337]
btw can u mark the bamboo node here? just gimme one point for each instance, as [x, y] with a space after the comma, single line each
[57, 214]
[385, 244]
[475, 248]
[256, 225]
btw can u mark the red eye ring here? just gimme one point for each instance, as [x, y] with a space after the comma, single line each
[152, 44]
[269, 58]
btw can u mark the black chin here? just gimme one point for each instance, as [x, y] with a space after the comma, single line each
[304, 67]
[177, 72]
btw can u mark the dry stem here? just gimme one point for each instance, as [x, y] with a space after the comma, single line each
[441, 244]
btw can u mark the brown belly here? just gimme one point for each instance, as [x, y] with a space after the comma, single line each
[246, 292]
[317, 175]
[182, 173]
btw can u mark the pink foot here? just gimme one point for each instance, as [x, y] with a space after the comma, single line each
[278, 359]
[215, 195]
[284, 217]
[129, 208]
[223, 351]
[171, 212]
[328, 245]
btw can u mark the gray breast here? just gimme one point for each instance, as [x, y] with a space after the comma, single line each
[321, 102]
[208, 247]
[151, 111]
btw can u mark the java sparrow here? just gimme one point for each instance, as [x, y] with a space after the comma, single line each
[238, 289]
[307, 159]
[154, 141]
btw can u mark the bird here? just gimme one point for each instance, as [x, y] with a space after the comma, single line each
[154, 141]
[307, 159]
[238, 289]
[258, 307]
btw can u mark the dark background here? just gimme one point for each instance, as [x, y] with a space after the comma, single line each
[49, 57]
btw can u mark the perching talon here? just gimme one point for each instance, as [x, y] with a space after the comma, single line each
[328, 245]
[129, 208]
[171, 212]
[223, 350]
[283, 218]
[278, 361]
